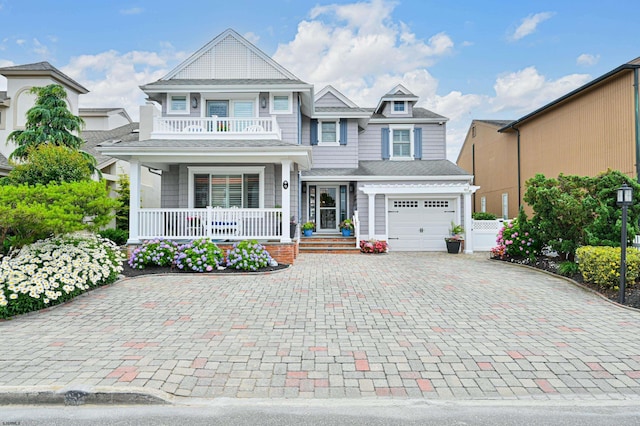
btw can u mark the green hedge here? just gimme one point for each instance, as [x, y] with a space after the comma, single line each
[601, 265]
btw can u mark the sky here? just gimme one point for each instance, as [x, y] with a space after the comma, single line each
[465, 59]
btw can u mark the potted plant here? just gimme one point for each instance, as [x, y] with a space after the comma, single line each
[455, 239]
[346, 226]
[308, 228]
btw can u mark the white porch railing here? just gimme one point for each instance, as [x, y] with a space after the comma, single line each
[216, 128]
[214, 223]
[356, 227]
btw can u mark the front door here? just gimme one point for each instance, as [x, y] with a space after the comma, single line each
[218, 108]
[328, 208]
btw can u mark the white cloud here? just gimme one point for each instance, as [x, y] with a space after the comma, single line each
[20, 42]
[529, 24]
[587, 59]
[527, 89]
[40, 49]
[114, 79]
[252, 37]
[132, 11]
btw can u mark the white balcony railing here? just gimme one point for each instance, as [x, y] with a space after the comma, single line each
[216, 128]
[214, 223]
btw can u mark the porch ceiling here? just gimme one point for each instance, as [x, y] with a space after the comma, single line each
[161, 153]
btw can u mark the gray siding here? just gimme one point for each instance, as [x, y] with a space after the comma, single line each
[289, 122]
[434, 141]
[381, 210]
[329, 100]
[343, 156]
[170, 188]
[369, 143]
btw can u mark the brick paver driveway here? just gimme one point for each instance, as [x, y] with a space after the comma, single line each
[405, 325]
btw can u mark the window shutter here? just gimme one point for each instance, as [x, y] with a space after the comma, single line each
[314, 132]
[385, 143]
[417, 143]
[343, 131]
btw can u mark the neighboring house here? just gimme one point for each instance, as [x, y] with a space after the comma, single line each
[101, 124]
[585, 132]
[483, 147]
[244, 145]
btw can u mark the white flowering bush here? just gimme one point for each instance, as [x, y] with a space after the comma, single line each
[199, 256]
[51, 271]
[156, 252]
[248, 256]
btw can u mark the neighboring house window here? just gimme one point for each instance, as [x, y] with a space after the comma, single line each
[178, 104]
[281, 103]
[227, 187]
[328, 132]
[483, 204]
[401, 141]
[399, 107]
[505, 206]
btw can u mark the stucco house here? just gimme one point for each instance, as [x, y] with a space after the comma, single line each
[585, 132]
[245, 146]
[101, 124]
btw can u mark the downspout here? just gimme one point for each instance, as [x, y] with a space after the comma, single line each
[473, 172]
[637, 120]
[519, 174]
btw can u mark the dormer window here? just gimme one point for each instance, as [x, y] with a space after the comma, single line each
[399, 107]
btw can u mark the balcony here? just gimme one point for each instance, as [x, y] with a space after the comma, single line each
[215, 128]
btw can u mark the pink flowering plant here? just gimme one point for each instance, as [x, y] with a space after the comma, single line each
[517, 240]
[156, 252]
[374, 246]
[200, 255]
[248, 256]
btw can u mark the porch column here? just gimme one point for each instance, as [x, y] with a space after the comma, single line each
[285, 185]
[134, 200]
[371, 221]
[468, 223]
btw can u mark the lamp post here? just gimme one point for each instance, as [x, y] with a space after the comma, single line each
[624, 199]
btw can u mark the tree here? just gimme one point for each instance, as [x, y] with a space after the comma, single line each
[122, 212]
[49, 163]
[49, 121]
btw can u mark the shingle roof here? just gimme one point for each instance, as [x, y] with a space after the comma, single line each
[497, 123]
[222, 82]
[4, 163]
[394, 168]
[93, 138]
[418, 112]
[340, 109]
[39, 68]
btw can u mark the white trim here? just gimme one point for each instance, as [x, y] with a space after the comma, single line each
[425, 189]
[289, 96]
[337, 131]
[187, 98]
[464, 178]
[225, 170]
[402, 120]
[393, 128]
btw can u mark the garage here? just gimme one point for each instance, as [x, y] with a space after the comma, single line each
[419, 224]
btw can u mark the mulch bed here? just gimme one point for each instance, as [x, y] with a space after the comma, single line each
[129, 272]
[549, 264]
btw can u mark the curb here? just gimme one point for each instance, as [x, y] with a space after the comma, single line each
[79, 395]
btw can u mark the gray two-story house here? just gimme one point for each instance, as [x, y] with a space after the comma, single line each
[245, 148]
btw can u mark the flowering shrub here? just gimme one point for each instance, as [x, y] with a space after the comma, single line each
[373, 246]
[153, 252]
[515, 241]
[51, 271]
[248, 256]
[200, 256]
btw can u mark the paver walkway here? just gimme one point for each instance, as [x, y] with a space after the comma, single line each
[398, 325]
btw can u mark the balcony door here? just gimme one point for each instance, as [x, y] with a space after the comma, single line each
[218, 108]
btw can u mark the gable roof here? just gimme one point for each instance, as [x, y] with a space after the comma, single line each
[631, 65]
[398, 93]
[495, 123]
[329, 89]
[225, 56]
[44, 68]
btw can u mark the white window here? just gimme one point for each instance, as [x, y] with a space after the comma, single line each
[401, 140]
[281, 103]
[399, 107]
[226, 187]
[328, 132]
[178, 104]
[505, 206]
[483, 204]
[244, 109]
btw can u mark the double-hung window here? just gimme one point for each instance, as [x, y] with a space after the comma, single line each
[401, 143]
[328, 132]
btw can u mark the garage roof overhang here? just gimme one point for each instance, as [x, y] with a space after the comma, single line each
[419, 189]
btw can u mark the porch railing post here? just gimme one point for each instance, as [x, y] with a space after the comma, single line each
[208, 224]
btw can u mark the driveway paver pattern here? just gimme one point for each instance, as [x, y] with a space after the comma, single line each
[419, 325]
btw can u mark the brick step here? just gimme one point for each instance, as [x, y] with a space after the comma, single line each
[329, 250]
[345, 243]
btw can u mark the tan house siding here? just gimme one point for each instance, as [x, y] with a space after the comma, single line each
[586, 135]
[495, 168]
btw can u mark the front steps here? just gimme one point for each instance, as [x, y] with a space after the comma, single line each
[328, 244]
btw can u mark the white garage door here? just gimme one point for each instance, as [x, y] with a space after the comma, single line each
[419, 224]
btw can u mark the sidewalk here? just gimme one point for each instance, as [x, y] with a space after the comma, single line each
[401, 325]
